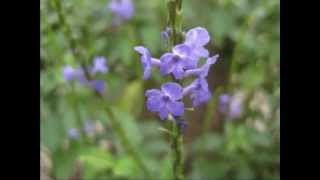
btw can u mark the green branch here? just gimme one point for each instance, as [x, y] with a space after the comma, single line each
[174, 22]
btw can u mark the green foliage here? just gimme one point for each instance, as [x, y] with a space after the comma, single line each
[243, 32]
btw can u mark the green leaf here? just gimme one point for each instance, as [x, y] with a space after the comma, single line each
[132, 100]
[126, 167]
[96, 161]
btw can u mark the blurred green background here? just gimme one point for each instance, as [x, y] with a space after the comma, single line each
[244, 32]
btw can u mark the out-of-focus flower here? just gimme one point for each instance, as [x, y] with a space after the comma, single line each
[166, 100]
[89, 127]
[235, 107]
[98, 85]
[121, 9]
[232, 106]
[224, 102]
[73, 133]
[99, 65]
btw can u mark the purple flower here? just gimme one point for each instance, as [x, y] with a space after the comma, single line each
[166, 100]
[231, 106]
[235, 107]
[166, 34]
[73, 133]
[147, 61]
[196, 38]
[99, 65]
[223, 103]
[122, 10]
[178, 61]
[199, 90]
[98, 85]
[68, 73]
[203, 71]
[89, 126]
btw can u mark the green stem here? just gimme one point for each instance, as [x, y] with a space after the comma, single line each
[174, 21]
[80, 56]
[178, 152]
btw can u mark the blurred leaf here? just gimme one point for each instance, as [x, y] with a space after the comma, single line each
[132, 100]
[126, 167]
[52, 134]
[129, 124]
[208, 169]
[96, 161]
[252, 76]
[166, 167]
[208, 142]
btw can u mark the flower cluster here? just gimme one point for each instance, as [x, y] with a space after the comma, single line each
[99, 66]
[181, 62]
[122, 10]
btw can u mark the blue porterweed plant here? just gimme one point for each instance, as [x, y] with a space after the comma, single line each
[182, 63]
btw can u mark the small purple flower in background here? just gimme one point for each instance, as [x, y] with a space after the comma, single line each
[178, 61]
[235, 107]
[147, 61]
[73, 133]
[199, 90]
[68, 73]
[99, 65]
[89, 127]
[223, 103]
[166, 100]
[121, 9]
[98, 85]
[231, 105]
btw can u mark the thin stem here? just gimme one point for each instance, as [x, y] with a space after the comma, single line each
[79, 55]
[174, 21]
[178, 152]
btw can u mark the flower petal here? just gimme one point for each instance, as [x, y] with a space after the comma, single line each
[173, 90]
[197, 36]
[176, 108]
[167, 65]
[178, 72]
[201, 52]
[163, 113]
[153, 103]
[153, 92]
[181, 50]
